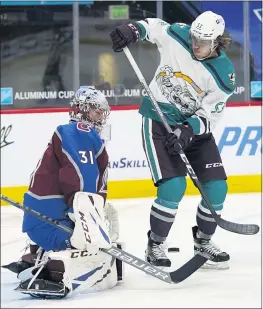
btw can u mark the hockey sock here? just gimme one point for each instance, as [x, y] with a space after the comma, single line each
[164, 208]
[216, 191]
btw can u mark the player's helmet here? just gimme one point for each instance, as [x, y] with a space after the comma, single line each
[205, 30]
[89, 105]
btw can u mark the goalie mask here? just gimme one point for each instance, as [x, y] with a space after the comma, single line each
[204, 32]
[89, 105]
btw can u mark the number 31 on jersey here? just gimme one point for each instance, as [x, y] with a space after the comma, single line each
[86, 156]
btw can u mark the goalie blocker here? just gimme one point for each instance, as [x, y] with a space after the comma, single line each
[83, 268]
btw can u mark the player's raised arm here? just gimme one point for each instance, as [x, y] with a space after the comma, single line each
[150, 29]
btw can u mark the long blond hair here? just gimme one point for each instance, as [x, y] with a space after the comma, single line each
[224, 41]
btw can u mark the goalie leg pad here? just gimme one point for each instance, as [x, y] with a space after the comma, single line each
[73, 271]
[90, 232]
[87, 272]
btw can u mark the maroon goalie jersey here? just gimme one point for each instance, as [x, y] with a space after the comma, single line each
[74, 160]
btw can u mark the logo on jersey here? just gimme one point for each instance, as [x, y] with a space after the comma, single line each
[219, 107]
[179, 95]
[6, 96]
[181, 25]
[232, 78]
[83, 126]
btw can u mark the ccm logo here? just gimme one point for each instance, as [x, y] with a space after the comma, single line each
[85, 227]
[213, 165]
[81, 253]
[135, 30]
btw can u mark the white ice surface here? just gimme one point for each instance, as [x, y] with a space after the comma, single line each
[238, 287]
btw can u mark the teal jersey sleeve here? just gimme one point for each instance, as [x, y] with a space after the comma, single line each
[180, 33]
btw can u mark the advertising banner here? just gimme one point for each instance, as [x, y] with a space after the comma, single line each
[25, 136]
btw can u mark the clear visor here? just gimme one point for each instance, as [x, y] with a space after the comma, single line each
[199, 43]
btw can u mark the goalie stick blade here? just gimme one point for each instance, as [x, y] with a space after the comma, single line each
[244, 229]
[187, 269]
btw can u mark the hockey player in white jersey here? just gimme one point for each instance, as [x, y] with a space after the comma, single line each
[192, 84]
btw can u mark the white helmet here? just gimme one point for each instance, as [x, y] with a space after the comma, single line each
[89, 105]
[208, 26]
[204, 31]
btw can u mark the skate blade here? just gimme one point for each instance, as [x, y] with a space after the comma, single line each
[215, 265]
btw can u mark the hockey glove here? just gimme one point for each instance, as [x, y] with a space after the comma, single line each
[179, 139]
[124, 35]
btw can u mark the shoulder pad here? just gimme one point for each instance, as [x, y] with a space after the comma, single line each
[180, 32]
[223, 72]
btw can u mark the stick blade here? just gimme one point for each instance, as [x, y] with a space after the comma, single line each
[244, 229]
[188, 268]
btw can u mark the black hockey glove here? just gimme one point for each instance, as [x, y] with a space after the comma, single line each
[179, 139]
[124, 35]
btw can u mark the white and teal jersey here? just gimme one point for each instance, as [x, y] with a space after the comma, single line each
[185, 88]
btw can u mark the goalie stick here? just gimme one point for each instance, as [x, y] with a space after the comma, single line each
[245, 229]
[169, 277]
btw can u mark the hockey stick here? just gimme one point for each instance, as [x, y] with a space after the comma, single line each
[246, 229]
[169, 277]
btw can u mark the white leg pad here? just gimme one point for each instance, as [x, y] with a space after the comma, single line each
[90, 232]
[87, 272]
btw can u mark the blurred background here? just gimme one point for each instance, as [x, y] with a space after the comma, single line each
[50, 48]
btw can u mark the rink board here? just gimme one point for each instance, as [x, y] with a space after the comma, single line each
[25, 136]
[144, 188]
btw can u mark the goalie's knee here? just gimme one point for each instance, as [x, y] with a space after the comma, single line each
[50, 237]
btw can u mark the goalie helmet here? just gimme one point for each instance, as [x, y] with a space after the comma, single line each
[205, 30]
[89, 105]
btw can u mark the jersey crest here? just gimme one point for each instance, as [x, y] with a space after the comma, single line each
[177, 94]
